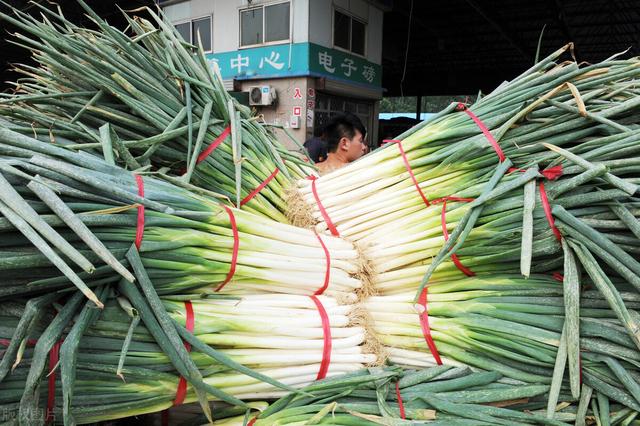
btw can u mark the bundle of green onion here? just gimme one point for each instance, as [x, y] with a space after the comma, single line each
[245, 348]
[441, 395]
[516, 327]
[186, 240]
[557, 103]
[165, 105]
[586, 114]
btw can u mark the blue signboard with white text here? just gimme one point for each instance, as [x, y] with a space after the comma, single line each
[296, 59]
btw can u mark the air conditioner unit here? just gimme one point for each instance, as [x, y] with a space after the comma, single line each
[262, 95]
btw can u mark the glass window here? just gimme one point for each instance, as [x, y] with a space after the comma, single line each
[276, 22]
[251, 27]
[341, 30]
[185, 31]
[202, 29]
[357, 37]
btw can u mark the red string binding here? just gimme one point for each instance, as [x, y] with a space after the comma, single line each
[547, 211]
[426, 330]
[140, 223]
[236, 246]
[326, 330]
[259, 188]
[7, 342]
[252, 421]
[181, 392]
[54, 356]
[323, 211]
[443, 219]
[327, 272]
[400, 403]
[485, 131]
[204, 154]
[407, 166]
[580, 367]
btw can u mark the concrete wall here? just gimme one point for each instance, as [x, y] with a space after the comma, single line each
[281, 112]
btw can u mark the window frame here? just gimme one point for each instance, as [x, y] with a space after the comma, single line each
[210, 16]
[190, 21]
[351, 18]
[264, 24]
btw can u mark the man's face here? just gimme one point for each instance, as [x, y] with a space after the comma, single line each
[355, 147]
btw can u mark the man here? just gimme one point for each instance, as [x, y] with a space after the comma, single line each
[317, 148]
[345, 142]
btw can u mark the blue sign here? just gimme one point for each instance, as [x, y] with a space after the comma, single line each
[294, 60]
[282, 60]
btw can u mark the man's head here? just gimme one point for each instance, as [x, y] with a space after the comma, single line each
[345, 135]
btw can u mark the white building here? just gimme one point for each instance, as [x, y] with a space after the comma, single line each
[304, 59]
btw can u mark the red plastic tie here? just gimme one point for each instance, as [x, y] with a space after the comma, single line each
[327, 272]
[326, 330]
[204, 154]
[547, 211]
[400, 403]
[7, 342]
[259, 188]
[252, 421]
[54, 356]
[181, 392]
[409, 169]
[426, 330]
[443, 220]
[140, 224]
[236, 246]
[552, 173]
[557, 276]
[485, 131]
[323, 211]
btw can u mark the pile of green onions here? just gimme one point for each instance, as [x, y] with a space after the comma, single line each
[442, 395]
[250, 347]
[163, 103]
[516, 327]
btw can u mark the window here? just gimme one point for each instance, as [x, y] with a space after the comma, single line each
[276, 22]
[265, 24]
[349, 33]
[251, 27]
[357, 37]
[201, 27]
[185, 30]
